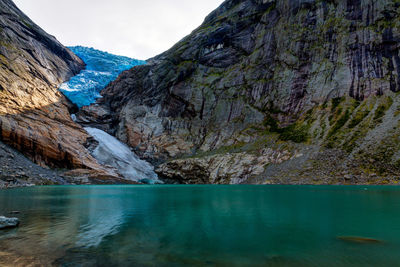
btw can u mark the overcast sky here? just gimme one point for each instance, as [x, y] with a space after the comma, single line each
[135, 28]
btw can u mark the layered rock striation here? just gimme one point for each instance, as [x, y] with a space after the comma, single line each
[317, 81]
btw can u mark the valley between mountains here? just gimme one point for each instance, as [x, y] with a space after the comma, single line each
[263, 92]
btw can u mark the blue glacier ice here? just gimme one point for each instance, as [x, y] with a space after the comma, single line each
[83, 90]
[101, 68]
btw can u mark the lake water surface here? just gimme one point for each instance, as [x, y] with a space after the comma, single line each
[203, 225]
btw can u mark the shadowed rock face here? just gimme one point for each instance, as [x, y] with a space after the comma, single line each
[34, 115]
[298, 77]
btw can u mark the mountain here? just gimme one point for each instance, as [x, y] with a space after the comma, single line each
[268, 91]
[263, 91]
[34, 116]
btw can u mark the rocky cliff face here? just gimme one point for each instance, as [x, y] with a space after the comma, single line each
[34, 115]
[305, 90]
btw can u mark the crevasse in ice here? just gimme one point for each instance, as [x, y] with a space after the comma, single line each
[101, 68]
[111, 151]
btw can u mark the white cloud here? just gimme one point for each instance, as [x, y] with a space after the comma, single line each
[135, 28]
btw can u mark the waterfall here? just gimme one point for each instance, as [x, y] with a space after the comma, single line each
[110, 151]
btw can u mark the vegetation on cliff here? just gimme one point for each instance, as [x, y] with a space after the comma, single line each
[316, 78]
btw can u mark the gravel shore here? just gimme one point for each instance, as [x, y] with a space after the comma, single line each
[18, 171]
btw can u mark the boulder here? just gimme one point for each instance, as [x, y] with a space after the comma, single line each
[8, 222]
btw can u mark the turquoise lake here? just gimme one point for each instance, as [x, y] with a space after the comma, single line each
[240, 225]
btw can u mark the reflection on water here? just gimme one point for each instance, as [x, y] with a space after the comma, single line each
[202, 225]
[104, 218]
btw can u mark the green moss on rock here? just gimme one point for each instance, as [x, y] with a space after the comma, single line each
[336, 102]
[382, 108]
[358, 118]
[339, 123]
[295, 133]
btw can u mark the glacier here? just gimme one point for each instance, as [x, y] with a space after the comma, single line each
[83, 90]
[110, 151]
[101, 68]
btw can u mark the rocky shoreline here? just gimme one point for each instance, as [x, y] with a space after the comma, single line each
[18, 171]
[12, 258]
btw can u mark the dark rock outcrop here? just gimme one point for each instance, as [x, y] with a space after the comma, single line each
[305, 77]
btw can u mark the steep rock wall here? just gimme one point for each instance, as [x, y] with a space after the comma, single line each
[34, 115]
[316, 78]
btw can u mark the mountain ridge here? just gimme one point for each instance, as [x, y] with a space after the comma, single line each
[264, 91]
[34, 115]
[305, 89]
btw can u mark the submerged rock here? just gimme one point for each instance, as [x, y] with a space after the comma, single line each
[359, 239]
[8, 222]
[14, 212]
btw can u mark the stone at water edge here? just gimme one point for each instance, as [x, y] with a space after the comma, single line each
[8, 222]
